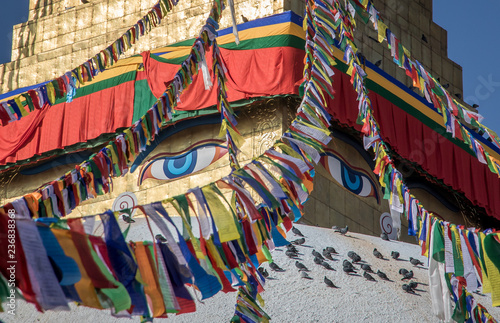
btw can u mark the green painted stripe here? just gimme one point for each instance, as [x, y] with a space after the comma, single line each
[173, 61]
[190, 42]
[285, 40]
[102, 85]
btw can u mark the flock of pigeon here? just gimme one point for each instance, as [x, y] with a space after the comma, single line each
[348, 265]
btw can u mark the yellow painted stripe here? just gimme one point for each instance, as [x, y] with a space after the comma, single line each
[285, 28]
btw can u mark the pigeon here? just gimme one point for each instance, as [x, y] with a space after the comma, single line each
[343, 231]
[382, 275]
[291, 254]
[160, 238]
[368, 276]
[317, 261]
[127, 218]
[408, 289]
[366, 268]
[424, 38]
[327, 254]
[245, 19]
[317, 254]
[329, 283]
[408, 275]
[377, 254]
[354, 256]
[303, 274]
[327, 265]
[275, 267]
[297, 231]
[475, 106]
[413, 284]
[336, 228]
[263, 272]
[403, 271]
[331, 250]
[299, 242]
[416, 262]
[384, 236]
[347, 263]
[447, 85]
[348, 270]
[292, 248]
[378, 63]
[85, 1]
[301, 266]
[459, 96]
[395, 255]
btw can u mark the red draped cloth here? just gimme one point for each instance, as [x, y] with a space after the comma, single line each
[416, 142]
[251, 73]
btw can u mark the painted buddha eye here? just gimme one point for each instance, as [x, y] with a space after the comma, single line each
[355, 180]
[169, 166]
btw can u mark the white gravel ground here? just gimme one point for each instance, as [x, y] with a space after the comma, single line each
[291, 299]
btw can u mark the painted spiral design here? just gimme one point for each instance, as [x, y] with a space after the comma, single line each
[386, 223]
[126, 200]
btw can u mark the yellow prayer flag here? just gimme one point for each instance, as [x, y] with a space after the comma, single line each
[24, 113]
[382, 30]
[493, 274]
[51, 92]
[215, 254]
[223, 218]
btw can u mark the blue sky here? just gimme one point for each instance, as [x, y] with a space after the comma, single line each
[12, 13]
[473, 42]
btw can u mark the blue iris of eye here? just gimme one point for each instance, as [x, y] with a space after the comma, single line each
[351, 180]
[177, 167]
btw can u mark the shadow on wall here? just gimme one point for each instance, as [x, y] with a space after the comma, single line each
[43, 8]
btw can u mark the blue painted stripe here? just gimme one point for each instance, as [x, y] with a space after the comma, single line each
[288, 16]
[21, 90]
